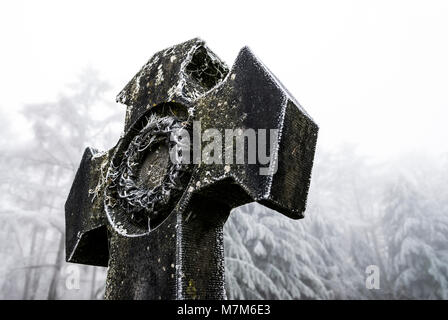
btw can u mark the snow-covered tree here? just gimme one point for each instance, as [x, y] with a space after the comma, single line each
[358, 214]
[320, 257]
[415, 224]
[37, 175]
[270, 257]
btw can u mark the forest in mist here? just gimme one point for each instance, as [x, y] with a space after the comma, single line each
[360, 212]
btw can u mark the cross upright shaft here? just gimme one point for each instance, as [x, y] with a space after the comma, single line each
[158, 225]
[178, 260]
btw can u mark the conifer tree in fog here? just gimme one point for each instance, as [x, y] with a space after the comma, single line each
[358, 214]
[416, 230]
[270, 256]
[38, 177]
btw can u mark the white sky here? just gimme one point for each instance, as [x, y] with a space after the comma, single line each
[373, 73]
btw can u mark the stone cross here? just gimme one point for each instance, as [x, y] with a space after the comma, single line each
[157, 223]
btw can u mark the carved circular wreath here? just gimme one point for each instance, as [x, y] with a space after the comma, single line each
[143, 183]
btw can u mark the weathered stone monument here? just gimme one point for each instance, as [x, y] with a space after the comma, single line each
[157, 223]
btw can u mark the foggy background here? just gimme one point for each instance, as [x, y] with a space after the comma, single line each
[374, 76]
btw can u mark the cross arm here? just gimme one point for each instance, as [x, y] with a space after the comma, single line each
[86, 235]
[251, 97]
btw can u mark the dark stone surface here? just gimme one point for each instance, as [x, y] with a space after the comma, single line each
[179, 255]
[172, 75]
[85, 221]
[251, 97]
[181, 259]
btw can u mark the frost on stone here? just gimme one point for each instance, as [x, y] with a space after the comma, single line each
[180, 74]
[206, 68]
[95, 192]
[200, 71]
[144, 182]
[159, 76]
